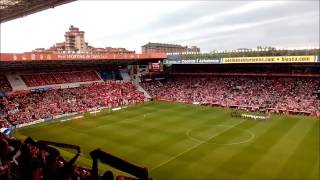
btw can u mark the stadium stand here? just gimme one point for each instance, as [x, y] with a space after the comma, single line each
[107, 74]
[280, 95]
[125, 75]
[23, 108]
[249, 69]
[259, 51]
[33, 80]
[4, 123]
[4, 84]
[110, 75]
[35, 95]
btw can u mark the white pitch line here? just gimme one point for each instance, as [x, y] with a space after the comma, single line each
[252, 136]
[193, 147]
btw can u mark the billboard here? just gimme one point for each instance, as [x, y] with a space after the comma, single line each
[172, 61]
[62, 57]
[192, 61]
[270, 59]
[200, 61]
[155, 67]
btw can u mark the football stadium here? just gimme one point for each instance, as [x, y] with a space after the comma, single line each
[77, 112]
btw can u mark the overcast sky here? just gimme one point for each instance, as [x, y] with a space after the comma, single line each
[210, 25]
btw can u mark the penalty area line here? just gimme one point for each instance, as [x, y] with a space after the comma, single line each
[194, 147]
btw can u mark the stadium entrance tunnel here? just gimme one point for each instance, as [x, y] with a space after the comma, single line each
[220, 135]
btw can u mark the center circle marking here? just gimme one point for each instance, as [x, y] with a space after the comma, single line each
[252, 136]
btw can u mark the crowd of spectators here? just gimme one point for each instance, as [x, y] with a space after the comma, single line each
[4, 123]
[259, 51]
[281, 95]
[41, 160]
[31, 160]
[35, 160]
[247, 69]
[41, 79]
[25, 108]
[4, 84]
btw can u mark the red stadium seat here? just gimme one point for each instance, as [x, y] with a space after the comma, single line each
[33, 80]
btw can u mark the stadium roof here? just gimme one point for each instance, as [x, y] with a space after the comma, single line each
[162, 45]
[12, 9]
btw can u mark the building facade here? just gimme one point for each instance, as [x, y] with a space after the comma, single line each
[75, 43]
[112, 50]
[74, 40]
[168, 48]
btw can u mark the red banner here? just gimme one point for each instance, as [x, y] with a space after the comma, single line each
[86, 57]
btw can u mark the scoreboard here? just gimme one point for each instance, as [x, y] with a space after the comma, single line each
[155, 67]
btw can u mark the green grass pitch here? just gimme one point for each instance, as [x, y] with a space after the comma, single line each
[179, 141]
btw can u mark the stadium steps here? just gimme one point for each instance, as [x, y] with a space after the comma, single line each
[118, 75]
[98, 74]
[140, 88]
[16, 82]
[125, 75]
[106, 75]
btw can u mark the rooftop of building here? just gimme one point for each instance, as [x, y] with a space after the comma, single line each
[163, 45]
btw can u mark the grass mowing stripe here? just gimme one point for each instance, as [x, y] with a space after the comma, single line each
[193, 147]
[208, 157]
[165, 138]
[307, 151]
[164, 134]
[150, 140]
[316, 169]
[292, 140]
[217, 157]
[248, 156]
